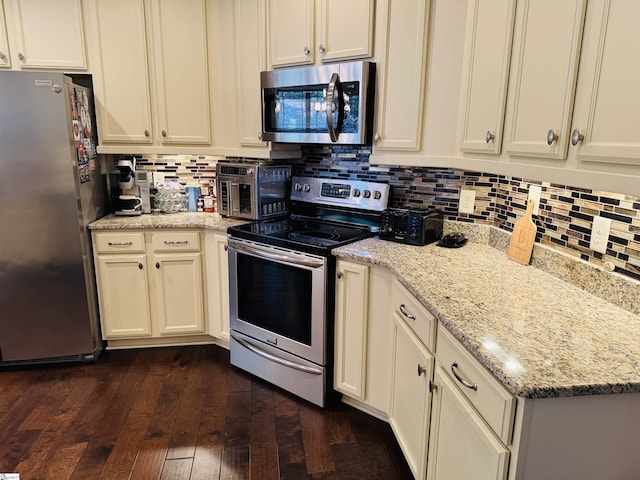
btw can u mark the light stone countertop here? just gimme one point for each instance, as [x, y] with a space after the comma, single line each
[539, 335]
[209, 221]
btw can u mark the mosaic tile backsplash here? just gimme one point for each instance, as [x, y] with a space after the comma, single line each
[564, 221]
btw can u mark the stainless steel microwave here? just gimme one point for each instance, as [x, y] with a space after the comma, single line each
[324, 104]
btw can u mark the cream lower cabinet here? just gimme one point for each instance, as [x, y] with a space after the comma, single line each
[217, 268]
[362, 332]
[149, 285]
[461, 445]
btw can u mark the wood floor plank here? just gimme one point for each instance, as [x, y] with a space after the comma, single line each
[291, 455]
[263, 420]
[318, 455]
[235, 458]
[64, 461]
[150, 459]
[263, 461]
[208, 452]
[177, 469]
[338, 425]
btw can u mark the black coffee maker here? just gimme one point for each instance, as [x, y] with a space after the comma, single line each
[128, 195]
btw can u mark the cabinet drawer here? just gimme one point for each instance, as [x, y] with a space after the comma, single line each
[489, 397]
[414, 314]
[119, 242]
[175, 241]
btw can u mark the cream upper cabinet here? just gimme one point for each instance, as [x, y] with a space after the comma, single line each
[460, 443]
[544, 67]
[401, 56]
[120, 69]
[45, 34]
[180, 58]
[606, 118]
[150, 63]
[314, 31]
[5, 59]
[486, 73]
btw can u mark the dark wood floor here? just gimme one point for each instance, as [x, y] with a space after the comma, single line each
[180, 413]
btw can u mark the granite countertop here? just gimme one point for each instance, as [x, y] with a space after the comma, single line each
[209, 221]
[539, 335]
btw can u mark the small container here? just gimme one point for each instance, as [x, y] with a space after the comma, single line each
[192, 198]
[205, 187]
[208, 205]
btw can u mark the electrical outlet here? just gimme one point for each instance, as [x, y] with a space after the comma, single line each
[600, 234]
[534, 194]
[467, 201]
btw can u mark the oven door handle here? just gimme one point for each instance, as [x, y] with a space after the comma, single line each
[278, 257]
[274, 358]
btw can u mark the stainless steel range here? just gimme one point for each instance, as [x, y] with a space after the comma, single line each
[282, 282]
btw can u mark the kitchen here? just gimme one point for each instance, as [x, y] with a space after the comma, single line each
[422, 54]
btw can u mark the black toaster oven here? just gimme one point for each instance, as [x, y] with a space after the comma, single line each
[413, 226]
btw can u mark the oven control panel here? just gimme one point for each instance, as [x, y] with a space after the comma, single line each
[346, 193]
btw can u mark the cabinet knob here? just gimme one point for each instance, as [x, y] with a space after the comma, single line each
[489, 136]
[226, 248]
[140, 266]
[376, 138]
[432, 386]
[2, 56]
[551, 137]
[260, 136]
[164, 133]
[321, 49]
[421, 370]
[576, 137]
[21, 56]
[146, 133]
[339, 275]
[157, 264]
[306, 51]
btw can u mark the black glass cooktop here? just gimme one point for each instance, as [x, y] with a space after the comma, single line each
[311, 236]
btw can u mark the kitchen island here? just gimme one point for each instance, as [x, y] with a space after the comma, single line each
[567, 358]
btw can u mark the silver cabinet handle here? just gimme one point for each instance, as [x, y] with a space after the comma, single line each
[321, 49]
[260, 136]
[164, 133]
[551, 137]
[21, 56]
[471, 386]
[376, 138]
[119, 244]
[421, 369]
[172, 242]
[146, 133]
[406, 314]
[306, 51]
[576, 137]
[489, 136]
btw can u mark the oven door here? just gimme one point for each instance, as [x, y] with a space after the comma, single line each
[278, 296]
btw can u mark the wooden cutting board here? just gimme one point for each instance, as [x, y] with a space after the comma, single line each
[522, 238]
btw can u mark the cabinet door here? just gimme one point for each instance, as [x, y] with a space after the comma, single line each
[410, 396]
[181, 71]
[47, 34]
[178, 293]
[117, 36]
[401, 73]
[4, 45]
[291, 32]
[352, 289]
[345, 29]
[607, 107]
[461, 445]
[251, 60]
[486, 72]
[123, 296]
[217, 284]
[544, 66]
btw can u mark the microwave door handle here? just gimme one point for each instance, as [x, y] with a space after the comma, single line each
[235, 198]
[331, 90]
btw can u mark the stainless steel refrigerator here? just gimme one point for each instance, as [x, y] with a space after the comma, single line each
[51, 188]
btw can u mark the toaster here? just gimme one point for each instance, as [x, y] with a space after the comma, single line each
[413, 226]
